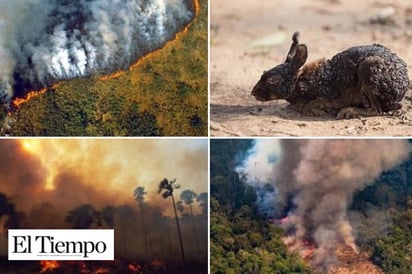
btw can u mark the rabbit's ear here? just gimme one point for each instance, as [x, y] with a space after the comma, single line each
[300, 56]
[292, 50]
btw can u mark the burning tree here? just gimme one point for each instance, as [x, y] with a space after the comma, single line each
[168, 187]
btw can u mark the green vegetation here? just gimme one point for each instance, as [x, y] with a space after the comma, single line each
[165, 93]
[393, 252]
[240, 240]
[391, 195]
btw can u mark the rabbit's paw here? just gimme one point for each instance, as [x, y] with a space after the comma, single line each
[316, 107]
[347, 113]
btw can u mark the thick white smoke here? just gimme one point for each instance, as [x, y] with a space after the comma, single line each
[316, 180]
[42, 41]
[258, 169]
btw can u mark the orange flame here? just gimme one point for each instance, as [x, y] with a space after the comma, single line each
[48, 265]
[111, 76]
[101, 270]
[308, 249]
[18, 101]
[196, 5]
[134, 267]
[284, 220]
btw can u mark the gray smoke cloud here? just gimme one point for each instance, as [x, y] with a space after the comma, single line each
[42, 41]
[258, 170]
[316, 180]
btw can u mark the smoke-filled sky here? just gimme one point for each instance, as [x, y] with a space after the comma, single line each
[71, 172]
[42, 41]
[315, 181]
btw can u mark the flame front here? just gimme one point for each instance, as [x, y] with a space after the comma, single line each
[134, 267]
[101, 270]
[48, 266]
[308, 250]
[18, 101]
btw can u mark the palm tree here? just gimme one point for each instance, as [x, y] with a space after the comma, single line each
[139, 196]
[168, 187]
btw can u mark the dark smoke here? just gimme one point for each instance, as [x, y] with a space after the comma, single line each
[315, 181]
[42, 41]
[79, 200]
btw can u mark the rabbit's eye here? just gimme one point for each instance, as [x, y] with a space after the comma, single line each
[273, 80]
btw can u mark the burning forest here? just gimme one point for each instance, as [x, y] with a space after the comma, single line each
[62, 183]
[144, 61]
[42, 42]
[339, 205]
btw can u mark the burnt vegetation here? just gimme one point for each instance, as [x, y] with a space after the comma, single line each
[243, 241]
[165, 94]
[146, 239]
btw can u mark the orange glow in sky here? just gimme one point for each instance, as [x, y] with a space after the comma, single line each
[120, 165]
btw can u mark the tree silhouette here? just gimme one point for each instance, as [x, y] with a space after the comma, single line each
[83, 216]
[8, 208]
[106, 216]
[5, 205]
[123, 222]
[180, 207]
[168, 187]
[188, 196]
[139, 196]
[202, 199]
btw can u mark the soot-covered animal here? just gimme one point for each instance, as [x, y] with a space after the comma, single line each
[360, 81]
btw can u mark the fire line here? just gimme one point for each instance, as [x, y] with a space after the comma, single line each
[19, 101]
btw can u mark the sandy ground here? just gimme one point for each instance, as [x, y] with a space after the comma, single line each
[248, 37]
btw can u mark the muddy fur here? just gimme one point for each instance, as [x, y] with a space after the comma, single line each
[360, 81]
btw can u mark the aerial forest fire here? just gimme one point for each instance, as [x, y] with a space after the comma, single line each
[97, 39]
[314, 184]
[107, 184]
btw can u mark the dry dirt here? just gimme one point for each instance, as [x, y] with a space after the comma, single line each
[248, 37]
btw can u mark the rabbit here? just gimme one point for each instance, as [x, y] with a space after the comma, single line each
[358, 82]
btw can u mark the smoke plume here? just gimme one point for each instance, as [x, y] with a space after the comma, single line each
[42, 41]
[46, 179]
[315, 181]
[258, 169]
